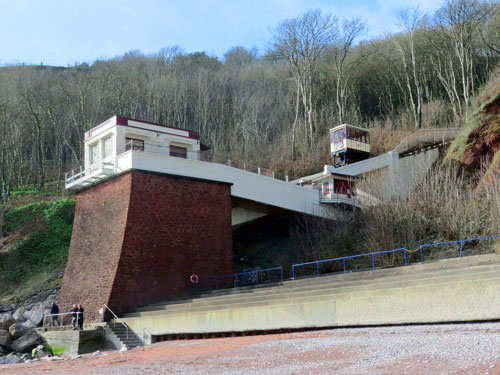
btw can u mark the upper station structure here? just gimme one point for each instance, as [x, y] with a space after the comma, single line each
[121, 144]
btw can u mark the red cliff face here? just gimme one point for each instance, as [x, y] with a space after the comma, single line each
[483, 142]
[138, 237]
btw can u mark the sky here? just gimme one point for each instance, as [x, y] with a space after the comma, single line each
[68, 32]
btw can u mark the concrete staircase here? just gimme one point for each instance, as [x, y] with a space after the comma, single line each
[120, 332]
[451, 290]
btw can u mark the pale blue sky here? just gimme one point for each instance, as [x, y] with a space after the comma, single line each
[65, 32]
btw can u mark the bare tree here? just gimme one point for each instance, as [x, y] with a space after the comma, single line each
[344, 62]
[460, 22]
[301, 41]
[410, 21]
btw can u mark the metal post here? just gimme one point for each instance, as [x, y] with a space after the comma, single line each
[258, 170]
[272, 174]
[244, 166]
[293, 272]
[373, 261]
[344, 264]
[286, 178]
[81, 171]
[229, 162]
[72, 175]
[461, 248]
[317, 268]
[404, 252]
[421, 254]
[281, 268]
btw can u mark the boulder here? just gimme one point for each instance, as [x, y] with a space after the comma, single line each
[37, 317]
[6, 320]
[27, 315]
[26, 343]
[5, 338]
[19, 314]
[7, 307]
[4, 350]
[29, 324]
[10, 359]
[18, 329]
[40, 352]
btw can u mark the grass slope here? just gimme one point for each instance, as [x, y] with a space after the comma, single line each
[36, 242]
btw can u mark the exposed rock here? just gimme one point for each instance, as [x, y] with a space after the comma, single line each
[5, 338]
[37, 317]
[19, 314]
[29, 324]
[4, 350]
[40, 352]
[27, 315]
[18, 329]
[75, 356]
[10, 359]
[6, 320]
[26, 343]
[7, 307]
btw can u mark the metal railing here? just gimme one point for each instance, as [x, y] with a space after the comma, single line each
[61, 321]
[426, 136]
[344, 259]
[117, 318]
[81, 173]
[461, 242]
[252, 277]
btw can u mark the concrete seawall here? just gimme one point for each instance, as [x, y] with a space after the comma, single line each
[450, 291]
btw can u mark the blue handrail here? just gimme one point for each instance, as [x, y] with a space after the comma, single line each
[216, 278]
[461, 242]
[343, 259]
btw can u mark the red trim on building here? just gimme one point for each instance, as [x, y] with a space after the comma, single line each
[123, 121]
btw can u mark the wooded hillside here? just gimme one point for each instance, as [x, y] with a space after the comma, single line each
[266, 108]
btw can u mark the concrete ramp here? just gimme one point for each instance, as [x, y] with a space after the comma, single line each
[453, 290]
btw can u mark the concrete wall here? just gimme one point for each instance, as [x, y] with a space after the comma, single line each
[139, 236]
[460, 299]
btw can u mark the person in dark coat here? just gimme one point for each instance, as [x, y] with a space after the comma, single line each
[55, 318]
[80, 317]
[74, 314]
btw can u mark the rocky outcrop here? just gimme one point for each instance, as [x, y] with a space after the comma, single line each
[26, 343]
[478, 147]
[17, 330]
[6, 320]
[5, 338]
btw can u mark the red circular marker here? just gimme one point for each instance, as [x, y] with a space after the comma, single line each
[194, 279]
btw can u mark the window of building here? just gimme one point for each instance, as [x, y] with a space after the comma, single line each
[134, 144]
[94, 153]
[107, 147]
[178, 152]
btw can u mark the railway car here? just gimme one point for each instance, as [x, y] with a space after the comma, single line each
[349, 144]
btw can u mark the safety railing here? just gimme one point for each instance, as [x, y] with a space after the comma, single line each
[117, 318]
[344, 260]
[50, 319]
[82, 174]
[241, 278]
[461, 242]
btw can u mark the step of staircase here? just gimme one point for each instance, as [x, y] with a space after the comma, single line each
[329, 286]
[128, 340]
[461, 289]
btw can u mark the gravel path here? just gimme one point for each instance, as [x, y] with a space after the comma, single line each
[464, 349]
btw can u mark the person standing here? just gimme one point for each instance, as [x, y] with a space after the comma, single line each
[54, 310]
[80, 317]
[74, 314]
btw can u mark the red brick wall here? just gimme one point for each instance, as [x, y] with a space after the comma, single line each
[138, 237]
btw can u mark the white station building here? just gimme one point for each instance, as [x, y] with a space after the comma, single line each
[121, 144]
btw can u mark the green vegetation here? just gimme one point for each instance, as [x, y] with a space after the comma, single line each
[36, 242]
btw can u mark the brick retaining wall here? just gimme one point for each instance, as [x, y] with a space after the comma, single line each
[139, 236]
